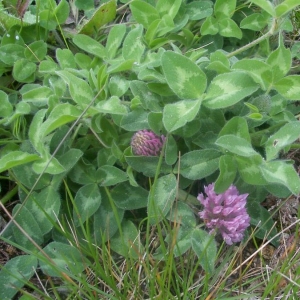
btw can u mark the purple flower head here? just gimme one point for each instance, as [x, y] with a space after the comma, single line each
[225, 213]
[147, 143]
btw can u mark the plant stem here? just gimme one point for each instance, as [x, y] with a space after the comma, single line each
[257, 41]
[9, 195]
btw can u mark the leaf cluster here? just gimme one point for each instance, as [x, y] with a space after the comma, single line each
[194, 71]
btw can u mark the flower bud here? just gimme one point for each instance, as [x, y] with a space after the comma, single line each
[147, 143]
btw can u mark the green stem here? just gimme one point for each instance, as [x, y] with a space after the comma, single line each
[257, 41]
[295, 146]
[9, 195]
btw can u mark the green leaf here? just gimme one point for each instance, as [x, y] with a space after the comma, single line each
[68, 160]
[47, 67]
[228, 28]
[198, 10]
[210, 26]
[86, 203]
[15, 273]
[112, 106]
[285, 6]
[83, 61]
[198, 164]
[104, 14]
[144, 13]
[80, 90]
[36, 131]
[48, 165]
[171, 151]
[151, 33]
[228, 170]
[220, 56]
[255, 21]
[36, 51]
[114, 39]
[89, 45]
[224, 9]
[83, 174]
[8, 20]
[62, 11]
[120, 66]
[135, 120]
[266, 5]
[263, 222]
[176, 115]
[133, 48]
[65, 58]
[228, 89]
[16, 158]
[67, 259]
[11, 53]
[58, 85]
[128, 197]
[6, 109]
[205, 248]
[60, 115]
[84, 4]
[182, 236]
[107, 219]
[155, 121]
[44, 207]
[249, 170]
[289, 87]
[182, 214]
[285, 136]
[27, 222]
[161, 198]
[282, 173]
[118, 86]
[237, 126]
[169, 7]
[146, 164]
[148, 99]
[236, 145]
[28, 178]
[39, 96]
[280, 61]
[184, 77]
[127, 243]
[110, 175]
[260, 71]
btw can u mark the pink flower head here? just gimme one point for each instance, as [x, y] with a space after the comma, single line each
[147, 143]
[225, 213]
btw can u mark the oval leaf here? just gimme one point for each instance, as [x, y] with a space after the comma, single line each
[281, 173]
[176, 115]
[236, 145]
[15, 273]
[228, 89]
[16, 158]
[161, 198]
[67, 259]
[127, 243]
[199, 164]
[86, 202]
[184, 77]
[205, 248]
[282, 138]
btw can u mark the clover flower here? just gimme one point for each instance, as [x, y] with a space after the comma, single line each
[147, 143]
[225, 213]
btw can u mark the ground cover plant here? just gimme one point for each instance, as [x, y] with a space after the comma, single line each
[139, 140]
